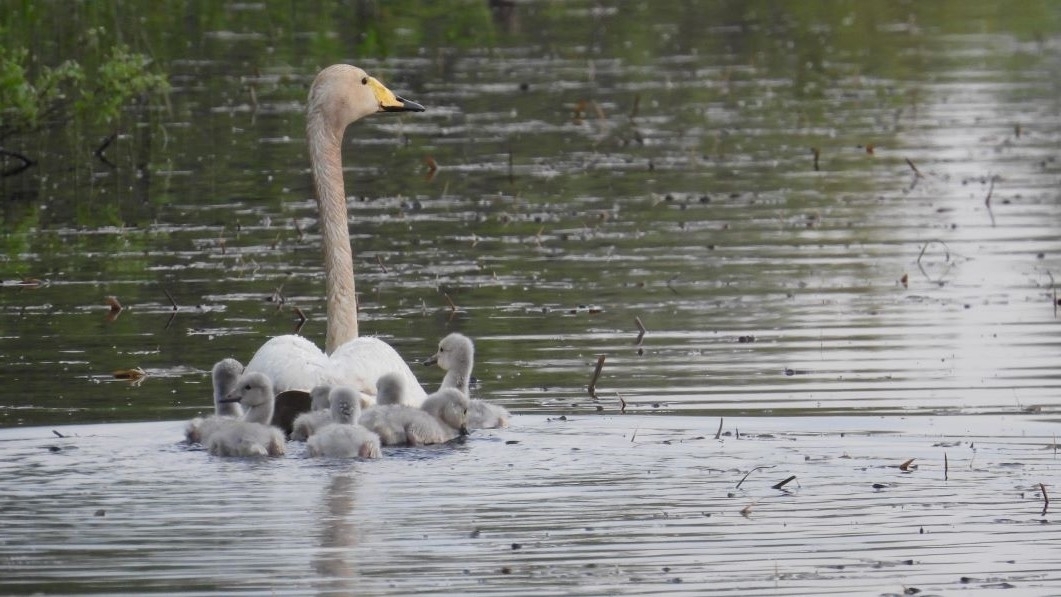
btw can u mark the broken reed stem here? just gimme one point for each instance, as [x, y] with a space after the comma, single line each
[990, 190]
[452, 306]
[382, 267]
[622, 403]
[946, 467]
[170, 297]
[1053, 290]
[596, 375]
[1046, 499]
[641, 331]
[781, 484]
[718, 433]
[817, 154]
[917, 172]
[750, 472]
[946, 250]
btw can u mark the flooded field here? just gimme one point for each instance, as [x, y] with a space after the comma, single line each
[837, 224]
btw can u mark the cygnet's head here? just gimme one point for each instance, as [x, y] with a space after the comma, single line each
[455, 351]
[319, 397]
[450, 406]
[345, 405]
[389, 388]
[225, 374]
[252, 390]
[342, 94]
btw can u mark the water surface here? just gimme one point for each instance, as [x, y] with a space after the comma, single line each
[891, 298]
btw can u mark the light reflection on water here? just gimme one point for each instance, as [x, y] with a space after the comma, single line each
[593, 505]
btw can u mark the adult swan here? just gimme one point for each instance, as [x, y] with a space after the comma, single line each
[340, 95]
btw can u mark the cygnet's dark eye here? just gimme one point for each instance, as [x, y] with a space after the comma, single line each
[247, 387]
[364, 80]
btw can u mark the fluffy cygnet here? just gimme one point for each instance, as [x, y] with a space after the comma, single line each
[307, 424]
[343, 437]
[399, 424]
[252, 435]
[456, 356]
[225, 374]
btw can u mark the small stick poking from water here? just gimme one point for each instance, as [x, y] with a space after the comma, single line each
[622, 403]
[987, 200]
[301, 319]
[596, 376]
[1046, 499]
[817, 154]
[718, 433]
[750, 472]
[946, 467]
[781, 484]
[382, 267]
[640, 331]
[170, 297]
[917, 172]
[452, 305]
[1053, 289]
[57, 434]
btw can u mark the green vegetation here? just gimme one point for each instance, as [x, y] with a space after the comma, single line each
[70, 90]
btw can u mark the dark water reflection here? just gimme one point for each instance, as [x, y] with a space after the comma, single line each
[597, 164]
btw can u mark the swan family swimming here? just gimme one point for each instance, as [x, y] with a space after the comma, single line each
[337, 427]
[352, 371]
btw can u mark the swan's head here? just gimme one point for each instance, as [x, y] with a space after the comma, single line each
[345, 405]
[342, 94]
[319, 397]
[450, 406]
[389, 389]
[252, 390]
[455, 352]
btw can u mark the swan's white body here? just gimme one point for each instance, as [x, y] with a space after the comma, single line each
[399, 424]
[456, 356]
[252, 435]
[225, 374]
[320, 414]
[340, 95]
[344, 438]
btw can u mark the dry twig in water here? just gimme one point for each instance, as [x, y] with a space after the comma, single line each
[946, 467]
[718, 433]
[781, 484]
[640, 331]
[905, 467]
[171, 301]
[750, 472]
[596, 376]
[301, 319]
[1046, 499]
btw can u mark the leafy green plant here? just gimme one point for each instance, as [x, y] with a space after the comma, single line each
[53, 95]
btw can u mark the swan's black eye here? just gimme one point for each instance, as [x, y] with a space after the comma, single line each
[247, 387]
[364, 80]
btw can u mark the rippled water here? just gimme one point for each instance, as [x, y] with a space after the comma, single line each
[588, 505]
[844, 313]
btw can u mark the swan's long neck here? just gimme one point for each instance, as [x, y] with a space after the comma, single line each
[327, 164]
[459, 377]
